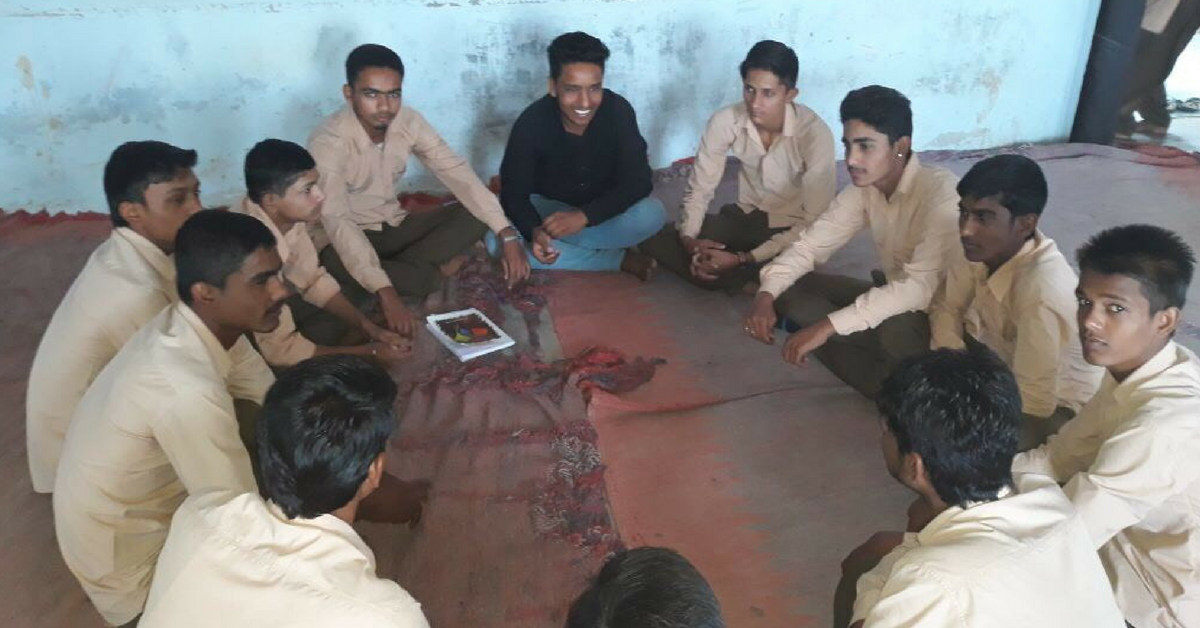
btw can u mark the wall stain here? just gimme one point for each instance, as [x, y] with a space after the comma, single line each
[26, 68]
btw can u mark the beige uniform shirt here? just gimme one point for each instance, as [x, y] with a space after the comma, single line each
[1025, 312]
[1022, 560]
[158, 423]
[1131, 464]
[360, 182]
[302, 269]
[240, 559]
[126, 281]
[915, 232]
[793, 181]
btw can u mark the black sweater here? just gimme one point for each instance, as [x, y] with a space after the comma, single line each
[601, 172]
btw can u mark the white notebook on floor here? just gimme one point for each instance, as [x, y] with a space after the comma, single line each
[468, 333]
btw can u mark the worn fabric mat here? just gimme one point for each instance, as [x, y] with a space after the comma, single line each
[764, 475]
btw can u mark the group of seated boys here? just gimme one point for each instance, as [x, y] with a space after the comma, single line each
[193, 487]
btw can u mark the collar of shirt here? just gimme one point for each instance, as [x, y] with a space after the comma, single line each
[902, 189]
[791, 124]
[217, 352]
[1161, 361]
[348, 126]
[1000, 283]
[325, 525]
[250, 208]
[959, 515]
[150, 252]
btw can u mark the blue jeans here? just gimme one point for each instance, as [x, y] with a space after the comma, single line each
[602, 246]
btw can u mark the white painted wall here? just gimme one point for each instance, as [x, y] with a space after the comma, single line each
[77, 77]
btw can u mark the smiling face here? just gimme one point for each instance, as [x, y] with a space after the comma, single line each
[766, 99]
[302, 200]
[870, 157]
[375, 99]
[167, 206]
[1117, 328]
[989, 233]
[578, 89]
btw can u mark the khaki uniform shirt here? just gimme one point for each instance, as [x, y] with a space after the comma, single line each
[1022, 560]
[915, 232]
[1131, 464]
[1025, 312]
[360, 182]
[302, 269]
[126, 281]
[158, 423]
[792, 182]
[240, 559]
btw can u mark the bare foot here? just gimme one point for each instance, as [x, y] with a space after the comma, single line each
[638, 264]
[450, 268]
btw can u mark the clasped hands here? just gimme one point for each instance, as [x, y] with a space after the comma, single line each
[709, 258]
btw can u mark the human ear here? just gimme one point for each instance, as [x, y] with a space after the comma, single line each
[1166, 320]
[132, 213]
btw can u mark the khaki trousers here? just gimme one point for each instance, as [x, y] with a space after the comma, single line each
[862, 359]
[739, 231]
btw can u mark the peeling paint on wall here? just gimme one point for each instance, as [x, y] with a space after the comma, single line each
[219, 76]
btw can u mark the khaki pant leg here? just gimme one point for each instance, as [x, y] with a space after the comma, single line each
[411, 252]
[737, 230]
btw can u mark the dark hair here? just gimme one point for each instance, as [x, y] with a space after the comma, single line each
[1158, 259]
[883, 108]
[960, 411]
[1017, 180]
[576, 47]
[212, 245]
[272, 166]
[648, 586]
[135, 166]
[775, 58]
[371, 56]
[323, 423]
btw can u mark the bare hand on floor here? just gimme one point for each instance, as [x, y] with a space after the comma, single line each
[760, 322]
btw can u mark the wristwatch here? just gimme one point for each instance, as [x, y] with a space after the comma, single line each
[510, 238]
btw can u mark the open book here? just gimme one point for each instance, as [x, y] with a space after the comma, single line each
[467, 333]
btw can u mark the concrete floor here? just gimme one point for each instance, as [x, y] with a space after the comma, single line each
[761, 473]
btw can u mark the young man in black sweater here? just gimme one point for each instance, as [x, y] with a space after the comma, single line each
[575, 180]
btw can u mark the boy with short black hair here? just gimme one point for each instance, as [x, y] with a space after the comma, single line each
[647, 586]
[159, 422]
[786, 178]
[861, 329]
[283, 194]
[151, 190]
[1013, 291]
[362, 152]
[575, 179]
[291, 557]
[1130, 460]
[982, 549]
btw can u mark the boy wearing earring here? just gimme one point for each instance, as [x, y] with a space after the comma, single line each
[861, 329]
